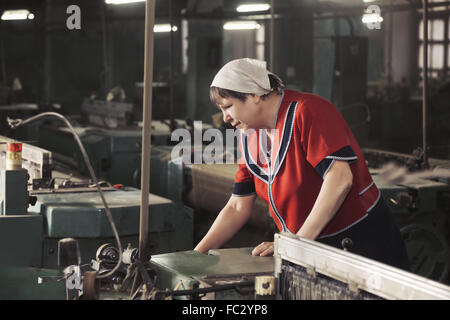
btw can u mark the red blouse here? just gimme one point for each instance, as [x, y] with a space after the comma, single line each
[310, 135]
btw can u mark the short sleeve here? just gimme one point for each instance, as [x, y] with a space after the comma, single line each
[243, 181]
[325, 135]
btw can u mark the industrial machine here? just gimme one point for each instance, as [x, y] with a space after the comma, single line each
[115, 154]
[300, 269]
[88, 267]
[68, 234]
[307, 270]
[65, 206]
[45, 203]
[421, 207]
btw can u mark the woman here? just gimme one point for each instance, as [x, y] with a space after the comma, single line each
[299, 156]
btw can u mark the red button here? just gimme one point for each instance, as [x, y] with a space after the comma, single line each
[14, 147]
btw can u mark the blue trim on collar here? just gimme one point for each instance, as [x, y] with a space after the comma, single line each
[253, 167]
[286, 138]
[282, 151]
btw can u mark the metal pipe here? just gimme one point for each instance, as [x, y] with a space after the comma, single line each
[105, 72]
[171, 52]
[146, 130]
[425, 82]
[47, 64]
[389, 63]
[272, 32]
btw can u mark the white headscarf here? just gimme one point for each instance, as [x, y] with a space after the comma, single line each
[244, 75]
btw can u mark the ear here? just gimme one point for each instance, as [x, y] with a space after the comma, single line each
[256, 98]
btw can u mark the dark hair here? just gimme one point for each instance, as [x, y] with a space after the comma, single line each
[215, 93]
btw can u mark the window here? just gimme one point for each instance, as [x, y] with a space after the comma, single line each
[438, 40]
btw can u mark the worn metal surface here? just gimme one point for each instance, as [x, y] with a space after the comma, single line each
[73, 214]
[352, 271]
[221, 266]
[81, 215]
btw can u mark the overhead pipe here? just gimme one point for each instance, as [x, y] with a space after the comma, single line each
[171, 62]
[425, 83]
[272, 36]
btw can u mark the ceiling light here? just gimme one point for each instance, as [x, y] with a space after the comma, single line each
[163, 28]
[122, 1]
[253, 7]
[17, 15]
[241, 25]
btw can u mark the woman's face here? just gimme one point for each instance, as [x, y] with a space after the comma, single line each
[242, 115]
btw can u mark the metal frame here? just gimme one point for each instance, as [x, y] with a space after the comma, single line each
[36, 160]
[371, 276]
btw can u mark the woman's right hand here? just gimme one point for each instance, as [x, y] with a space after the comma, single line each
[264, 249]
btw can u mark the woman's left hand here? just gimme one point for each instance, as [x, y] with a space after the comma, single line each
[263, 249]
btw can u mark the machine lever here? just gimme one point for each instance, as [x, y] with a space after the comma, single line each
[42, 280]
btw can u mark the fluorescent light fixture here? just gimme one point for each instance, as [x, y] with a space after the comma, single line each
[241, 25]
[253, 7]
[367, 1]
[122, 1]
[163, 28]
[17, 15]
[372, 18]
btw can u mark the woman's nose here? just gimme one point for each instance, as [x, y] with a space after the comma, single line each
[226, 117]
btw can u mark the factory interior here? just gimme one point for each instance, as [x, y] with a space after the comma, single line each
[98, 200]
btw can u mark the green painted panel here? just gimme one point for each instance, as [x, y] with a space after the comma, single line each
[22, 284]
[21, 240]
[82, 214]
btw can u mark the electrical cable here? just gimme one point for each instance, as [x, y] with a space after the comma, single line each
[14, 123]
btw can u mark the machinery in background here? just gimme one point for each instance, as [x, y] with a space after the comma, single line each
[17, 102]
[349, 85]
[107, 114]
[421, 208]
[63, 206]
[115, 154]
